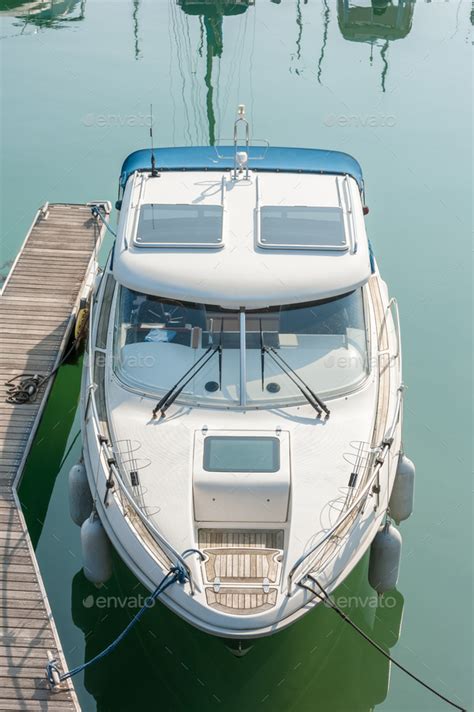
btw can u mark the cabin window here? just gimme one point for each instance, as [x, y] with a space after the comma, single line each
[302, 227]
[162, 225]
[103, 325]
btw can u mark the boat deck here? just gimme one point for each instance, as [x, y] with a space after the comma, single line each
[38, 304]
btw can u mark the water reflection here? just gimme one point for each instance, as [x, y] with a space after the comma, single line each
[136, 35]
[326, 16]
[376, 22]
[43, 13]
[193, 670]
[211, 16]
[58, 418]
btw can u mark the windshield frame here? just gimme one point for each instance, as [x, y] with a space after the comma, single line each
[242, 402]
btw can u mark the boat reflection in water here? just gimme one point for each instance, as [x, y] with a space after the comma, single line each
[43, 13]
[211, 16]
[376, 22]
[157, 653]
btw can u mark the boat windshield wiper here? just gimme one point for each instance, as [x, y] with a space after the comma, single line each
[173, 393]
[308, 393]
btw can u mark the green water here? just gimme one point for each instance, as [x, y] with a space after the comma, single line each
[76, 87]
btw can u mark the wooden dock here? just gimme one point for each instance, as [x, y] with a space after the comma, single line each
[38, 304]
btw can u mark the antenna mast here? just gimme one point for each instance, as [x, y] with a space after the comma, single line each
[154, 171]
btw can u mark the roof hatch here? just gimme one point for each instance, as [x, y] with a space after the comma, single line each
[302, 227]
[179, 226]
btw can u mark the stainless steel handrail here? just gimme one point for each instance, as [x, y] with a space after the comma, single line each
[379, 461]
[168, 550]
[336, 526]
[104, 449]
[350, 214]
[241, 120]
[393, 304]
[166, 547]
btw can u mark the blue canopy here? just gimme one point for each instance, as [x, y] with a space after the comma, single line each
[218, 158]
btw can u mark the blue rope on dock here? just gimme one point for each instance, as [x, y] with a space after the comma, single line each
[97, 213]
[55, 676]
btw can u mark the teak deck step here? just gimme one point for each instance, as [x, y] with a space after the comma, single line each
[244, 568]
[242, 565]
[241, 601]
[241, 538]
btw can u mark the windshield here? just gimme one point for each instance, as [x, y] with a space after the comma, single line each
[158, 340]
[323, 342]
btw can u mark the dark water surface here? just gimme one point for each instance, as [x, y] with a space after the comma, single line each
[390, 86]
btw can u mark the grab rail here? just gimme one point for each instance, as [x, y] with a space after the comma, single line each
[350, 213]
[392, 306]
[360, 501]
[241, 120]
[105, 449]
[166, 547]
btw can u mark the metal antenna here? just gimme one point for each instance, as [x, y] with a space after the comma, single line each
[154, 172]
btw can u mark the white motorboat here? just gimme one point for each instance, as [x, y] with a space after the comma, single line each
[242, 392]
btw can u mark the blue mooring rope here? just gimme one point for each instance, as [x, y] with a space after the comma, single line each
[176, 573]
[97, 213]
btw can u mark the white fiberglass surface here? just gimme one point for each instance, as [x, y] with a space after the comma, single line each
[158, 341]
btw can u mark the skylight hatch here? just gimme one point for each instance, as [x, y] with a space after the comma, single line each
[183, 226]
[302, 228]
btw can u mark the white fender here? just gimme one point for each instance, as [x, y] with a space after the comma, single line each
[403, 492]
[384, 562]
[96, 550]
[80, 498]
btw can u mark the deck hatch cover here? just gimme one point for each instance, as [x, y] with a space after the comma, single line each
[241, 454]
[302, 228]
[183, 226]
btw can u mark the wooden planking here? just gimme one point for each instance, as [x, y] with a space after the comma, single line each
[241, 538]
[241, 601]
[241, 562]
[37, 304]
[242, 565]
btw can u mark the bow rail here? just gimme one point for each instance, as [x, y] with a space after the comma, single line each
[371, 486]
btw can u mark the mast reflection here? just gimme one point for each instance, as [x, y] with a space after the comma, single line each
[211, 15]
[377, 23]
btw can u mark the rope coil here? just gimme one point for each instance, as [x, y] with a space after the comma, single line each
[25, 387]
